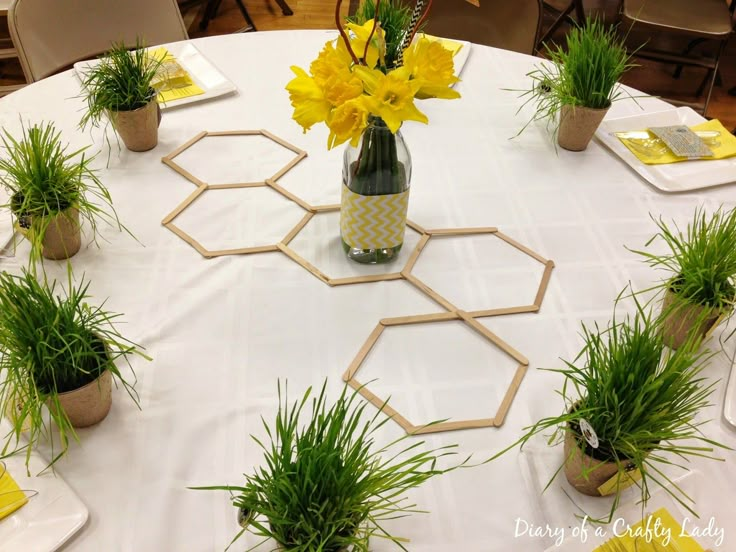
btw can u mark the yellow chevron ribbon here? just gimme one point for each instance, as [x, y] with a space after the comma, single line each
[373, 221]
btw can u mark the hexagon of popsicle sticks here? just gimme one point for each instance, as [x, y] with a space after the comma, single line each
[451, 311]
[495, 421]
[300, 154]
[202, 187]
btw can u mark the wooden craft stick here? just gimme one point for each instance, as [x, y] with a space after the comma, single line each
[424, 288]
[185, 173]
[237, 185]
[488, 334]
[289, 166]
[185, 145]
[503, 409]
[415, 254]
[184, 204]
[549, 265]
[363, 352]
[451, 426]
[416, 227]
[462, 231]
[420, 319]
[187, 238]
[365, 279]
[522, 248]
[243, 250]
[503, 311]
[380, 404]
[235, 133]
[326, 208]
[301, 261]
[283, 142]
[298, 228]
[288, 195]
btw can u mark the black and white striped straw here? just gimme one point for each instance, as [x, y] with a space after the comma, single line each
[415, 17]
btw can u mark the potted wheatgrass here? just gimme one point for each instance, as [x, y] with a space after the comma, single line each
[575, 89]
[50, 189]
[631, 411]
[700, 290]
[121, 87]
[325, 484]
[57, 361]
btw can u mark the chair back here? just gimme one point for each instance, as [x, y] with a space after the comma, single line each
[508, 24]
[51, 35]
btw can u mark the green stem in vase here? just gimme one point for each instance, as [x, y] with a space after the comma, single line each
[377, 171]
[395, 171]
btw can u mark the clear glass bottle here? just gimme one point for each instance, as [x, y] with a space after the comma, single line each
[376, 178]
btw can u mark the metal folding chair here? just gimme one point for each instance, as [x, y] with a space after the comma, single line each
[700, 20]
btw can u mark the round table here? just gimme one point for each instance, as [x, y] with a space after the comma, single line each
[223, 331]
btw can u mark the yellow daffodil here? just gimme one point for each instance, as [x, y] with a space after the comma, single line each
[341, 88]
[308, 100]
[359, 36]
[348, 121]
[391, 96]
[332, 62]
[431, 64]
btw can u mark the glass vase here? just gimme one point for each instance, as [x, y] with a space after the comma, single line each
[375, 195]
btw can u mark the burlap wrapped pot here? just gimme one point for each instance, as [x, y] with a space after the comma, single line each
[577, 462]
[578, 125]
[89, 404]
[63, 236]
[683, 320]
[138, 128]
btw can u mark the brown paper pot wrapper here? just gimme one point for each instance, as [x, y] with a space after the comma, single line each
[138, 128]
[90, 404]
[681, 319]
[577, 460]
[577, 126]
[63, 236]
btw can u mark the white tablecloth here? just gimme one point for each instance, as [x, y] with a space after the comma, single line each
[222, 331]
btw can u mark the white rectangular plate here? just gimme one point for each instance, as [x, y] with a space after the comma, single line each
[729, 406]
[50, 518]
[203, 73]
[675, 177]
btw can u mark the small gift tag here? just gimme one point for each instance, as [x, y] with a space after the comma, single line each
[682, 141]
[620, 481]
[588, 432]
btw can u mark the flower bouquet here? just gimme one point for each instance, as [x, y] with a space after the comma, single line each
[364, 96]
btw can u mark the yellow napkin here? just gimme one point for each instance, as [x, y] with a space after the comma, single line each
[661, 526]
[172, 80]
[727, 147]
[11, 497]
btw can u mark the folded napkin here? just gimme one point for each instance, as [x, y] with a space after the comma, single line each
[172, 81]
[657, 153]
[659, 528]
[11, 497]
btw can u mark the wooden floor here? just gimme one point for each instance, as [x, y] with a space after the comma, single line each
[652, 78]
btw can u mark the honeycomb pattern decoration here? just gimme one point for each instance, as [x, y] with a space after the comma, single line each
[450, 312]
